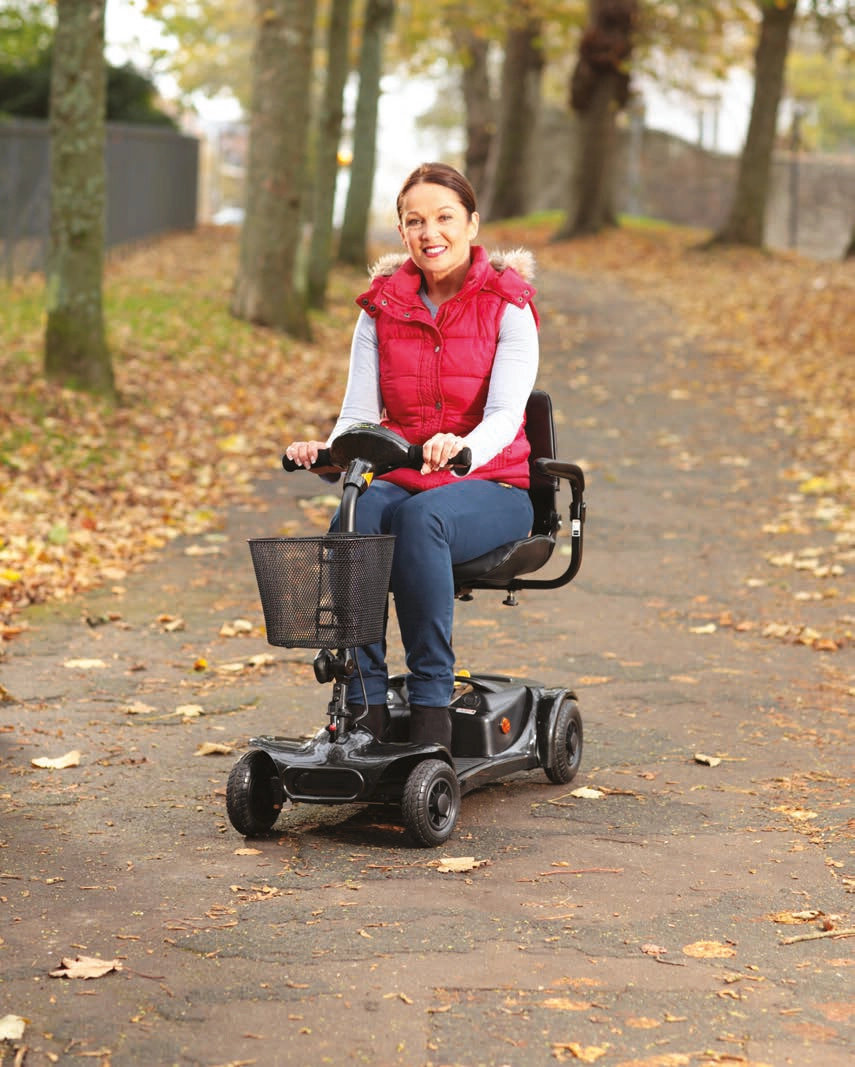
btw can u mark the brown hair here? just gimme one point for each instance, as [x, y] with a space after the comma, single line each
[440, 174]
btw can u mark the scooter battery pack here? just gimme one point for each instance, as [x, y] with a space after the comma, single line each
[488, 723]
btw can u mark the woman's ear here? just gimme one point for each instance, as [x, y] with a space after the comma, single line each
[474, 221]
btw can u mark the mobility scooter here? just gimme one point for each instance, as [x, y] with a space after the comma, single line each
[331, 593]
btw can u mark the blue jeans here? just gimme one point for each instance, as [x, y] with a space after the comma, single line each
[435, 529]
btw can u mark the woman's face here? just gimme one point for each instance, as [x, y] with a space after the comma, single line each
[437, 229]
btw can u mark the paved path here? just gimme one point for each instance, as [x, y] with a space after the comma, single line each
[648, 926]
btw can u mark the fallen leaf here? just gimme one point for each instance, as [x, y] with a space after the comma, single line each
[85, 664]
[248, 852]
[709, 950]
[582, 1053]
[708, 761]
[458, 864]
[70, 759]
[707, 628]
[12, 1027]
[189, 711]
[85, 967]
[565, 1004]
[585, 792]
[138, 708]
[213, 748]
[792, 918]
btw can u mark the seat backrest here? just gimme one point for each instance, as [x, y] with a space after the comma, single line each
[540, 431]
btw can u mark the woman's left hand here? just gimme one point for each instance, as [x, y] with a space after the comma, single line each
[438, 450]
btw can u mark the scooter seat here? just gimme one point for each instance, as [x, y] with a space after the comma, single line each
[501, 565]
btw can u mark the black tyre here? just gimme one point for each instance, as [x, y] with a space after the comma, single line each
[565, 731]
[254, 793]
[431, 802]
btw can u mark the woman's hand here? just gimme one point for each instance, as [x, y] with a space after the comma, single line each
[438, 450]
[305, 453]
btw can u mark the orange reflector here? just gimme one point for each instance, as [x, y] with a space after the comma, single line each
[505, 726]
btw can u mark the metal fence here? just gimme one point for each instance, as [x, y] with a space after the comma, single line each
[152, 181]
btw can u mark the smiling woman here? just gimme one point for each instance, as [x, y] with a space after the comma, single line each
[445, 354]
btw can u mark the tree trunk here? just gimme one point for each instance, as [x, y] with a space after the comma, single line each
[353, 240]
[326, 157]
[267, 289]
[76, 353]
[477, 105]
[520, 106]
[849, 253]
[746, 222]
[599, 88]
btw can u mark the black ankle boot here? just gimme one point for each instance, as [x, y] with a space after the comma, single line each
[430, 726]
[376, 719]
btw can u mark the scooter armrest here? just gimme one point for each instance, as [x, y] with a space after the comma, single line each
[556, 468]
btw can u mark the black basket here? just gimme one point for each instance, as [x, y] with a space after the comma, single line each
[323, 592]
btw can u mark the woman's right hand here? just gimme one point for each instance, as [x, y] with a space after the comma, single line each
[305, 453]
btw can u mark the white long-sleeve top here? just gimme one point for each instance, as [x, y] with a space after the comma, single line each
[511, 380]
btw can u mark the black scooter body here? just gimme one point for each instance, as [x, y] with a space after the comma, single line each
[500, 726]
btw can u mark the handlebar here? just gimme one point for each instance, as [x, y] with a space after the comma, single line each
[378, 447]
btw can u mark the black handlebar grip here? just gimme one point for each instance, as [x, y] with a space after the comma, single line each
[461, 462]
[323, 460]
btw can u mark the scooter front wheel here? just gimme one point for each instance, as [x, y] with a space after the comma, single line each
[254, 793]
[431, 802]
[565, 726]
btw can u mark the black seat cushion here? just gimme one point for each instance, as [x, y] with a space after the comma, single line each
[501, 565]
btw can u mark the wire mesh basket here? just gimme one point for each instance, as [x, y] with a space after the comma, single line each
[323, 592]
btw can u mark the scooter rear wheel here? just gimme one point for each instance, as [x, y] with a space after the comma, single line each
[565, 725]
[431, 802]
[254, 793]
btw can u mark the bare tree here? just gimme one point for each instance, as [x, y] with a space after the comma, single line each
[76, 353]
[353, 239]
[519, 109]
[746, 220]
[599, 88]
[473, 48]
[267, 289]
[326, 154]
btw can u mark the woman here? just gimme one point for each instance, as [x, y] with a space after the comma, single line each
[445, 353]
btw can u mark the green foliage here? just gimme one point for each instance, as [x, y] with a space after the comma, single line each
[25, 92]
[26, 30]
[826, 85]
[131, 98]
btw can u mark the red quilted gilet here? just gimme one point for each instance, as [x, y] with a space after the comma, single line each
[435, 373]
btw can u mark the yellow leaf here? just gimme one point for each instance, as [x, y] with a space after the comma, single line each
[212, 748]
[709, 950]
[457, 864]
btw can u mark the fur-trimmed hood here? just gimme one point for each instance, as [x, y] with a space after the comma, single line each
[518, 259]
